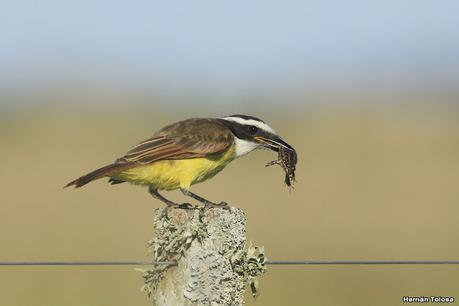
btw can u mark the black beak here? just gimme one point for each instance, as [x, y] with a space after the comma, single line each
[274, 143]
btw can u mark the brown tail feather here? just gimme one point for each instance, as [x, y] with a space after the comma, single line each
[97, 174]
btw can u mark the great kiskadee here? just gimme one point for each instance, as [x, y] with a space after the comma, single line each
[186, 153]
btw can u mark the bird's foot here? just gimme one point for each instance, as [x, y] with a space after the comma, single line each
[222, 205]
[182, 206]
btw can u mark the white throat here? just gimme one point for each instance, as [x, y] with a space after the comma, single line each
[243, 146]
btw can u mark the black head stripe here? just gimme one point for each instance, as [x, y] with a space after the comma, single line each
[247, 117]
[242, 131]
[238, 130]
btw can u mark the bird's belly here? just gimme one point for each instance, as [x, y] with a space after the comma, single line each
[173, 174]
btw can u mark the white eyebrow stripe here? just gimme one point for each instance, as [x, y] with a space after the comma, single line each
[261, 125]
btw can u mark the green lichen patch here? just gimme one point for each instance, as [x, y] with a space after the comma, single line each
[251, 263]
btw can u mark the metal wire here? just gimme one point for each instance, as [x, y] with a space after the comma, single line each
[86, 263]
[270, 262]
[363, 262]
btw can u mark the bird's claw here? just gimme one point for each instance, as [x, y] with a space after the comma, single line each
[187, 206]
[222, 205]
[182, 206]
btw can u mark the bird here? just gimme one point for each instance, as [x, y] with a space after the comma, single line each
[188, 152]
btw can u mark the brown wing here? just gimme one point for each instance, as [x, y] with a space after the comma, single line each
[185, 139]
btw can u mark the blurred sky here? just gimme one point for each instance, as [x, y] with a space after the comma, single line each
[227, 46]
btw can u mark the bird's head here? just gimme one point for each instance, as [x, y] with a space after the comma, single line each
[252, 133]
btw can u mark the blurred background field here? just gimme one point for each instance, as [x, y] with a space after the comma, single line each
[368, 96]
[372, 184]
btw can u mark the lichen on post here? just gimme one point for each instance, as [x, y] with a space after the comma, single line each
[212, 263]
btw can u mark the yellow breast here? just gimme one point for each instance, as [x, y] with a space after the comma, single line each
[173, 174]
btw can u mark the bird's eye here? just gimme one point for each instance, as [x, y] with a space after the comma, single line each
[253, 129]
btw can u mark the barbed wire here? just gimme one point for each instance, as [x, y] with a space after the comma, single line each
[270, 262]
